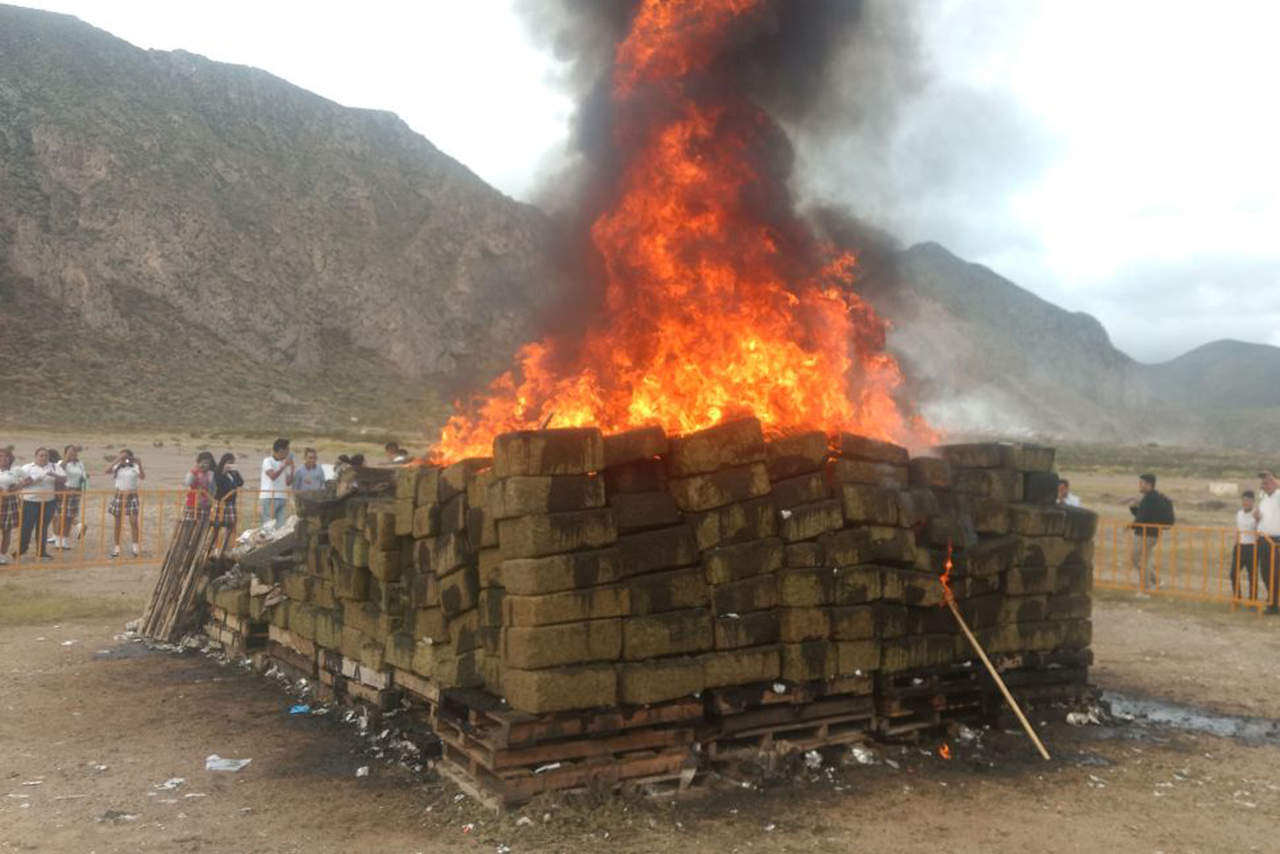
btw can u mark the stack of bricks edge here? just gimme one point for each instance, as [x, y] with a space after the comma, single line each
[576, 571]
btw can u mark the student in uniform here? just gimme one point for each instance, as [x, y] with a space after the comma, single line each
[1267, 511]
[226, 485]
[9, 480]
[39, 497]
[1242, 556]
[126, 471]
[199, 484]
[66, 525]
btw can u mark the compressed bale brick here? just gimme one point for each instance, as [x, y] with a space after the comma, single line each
[755, 519]
[929, 473]
[370, 620]
[482, 528]
[919, 589]
[1024, 609]
[560, 689]
[427, 623]
[797, 454]
[806, 587]
[1079, 524]
[796, 625]
[573, 450]
[453, 514]
[873, 450]
[426, 520]
[1029, 580]
[391, 597]
[1030, 458]
[328, 628]
[1026, 637]
[853, 658]
[801, 489]
[380, 525]
[857, 585]
[860, 471]
[990, 516]
[738, 597]
[659, 680]
[338, 530]
[809, 521]
[569, 606]
[668, 591]
[491, 641]
[427, 490]
[982, 612]
[448, 669]
[358, 646]
[554, 573]
[1001, 484]
[1053, 551]
[638, 476]
[302, 620]
[406, 482]
[536, 647]
[895, 545]
[966, 587]
[1040, 487]
[457, 478]
[915, 652]
[724, 564]
[949, 529]
[852, 622]
[640, 511]
[297, 585]
[741, 666]
[804, 554]
[279, 615]
[1036, 521]
[459, 590]
[990, 557]
[669, 633]
[916, 506]
[464, 631]
[846, 547]
[977, 455]
[398, 650]
[489, 604]
[491, 674]
[734, 631]
[629, 446]
[810, 661]
[404, 517]
[489, 567]
[424, 590]
[387, 565]
[525, 495]
[555, 533]
[734, 443]
[1075, 580]
[447, 553]
[350, 582]
[869, 503]
[359, 549]
[717, 489]
[429, 659]
[650, 551]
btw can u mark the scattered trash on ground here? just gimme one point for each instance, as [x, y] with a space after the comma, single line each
[299, 709]
[171, 783]
[362, 771]
[214, 762]
[117, 816]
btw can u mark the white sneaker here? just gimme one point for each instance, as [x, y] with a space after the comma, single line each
[134, 546]
[53, 538]
[115, 551]
[4, 560]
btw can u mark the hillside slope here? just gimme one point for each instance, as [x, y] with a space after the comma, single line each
[215, 215]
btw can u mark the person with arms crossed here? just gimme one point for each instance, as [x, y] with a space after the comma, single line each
[39, 497]
[1150, 511]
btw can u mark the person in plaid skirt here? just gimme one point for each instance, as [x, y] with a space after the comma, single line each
[127, 472]
[66, 524]
[226, 485]
[9, 480]
[199, 483]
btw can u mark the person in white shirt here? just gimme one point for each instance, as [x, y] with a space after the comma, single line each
[66, 523]
[126, 472]
[274, 487]
[9, 512]
[1242, 556]
[39, 495]
[1267, 512]
[1066, 497]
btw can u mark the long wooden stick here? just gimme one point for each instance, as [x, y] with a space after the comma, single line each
[1013, 704]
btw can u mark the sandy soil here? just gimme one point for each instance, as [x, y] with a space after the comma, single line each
[93, 725]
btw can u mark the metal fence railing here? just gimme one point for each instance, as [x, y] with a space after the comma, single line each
[97, 526]
[1203, 563]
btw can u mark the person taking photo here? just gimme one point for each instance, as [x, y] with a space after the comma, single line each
[126, 471]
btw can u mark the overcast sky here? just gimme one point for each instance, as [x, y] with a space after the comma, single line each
[1120, 157]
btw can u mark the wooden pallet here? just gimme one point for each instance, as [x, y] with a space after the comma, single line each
[793, 737]
[722, 702]
[748, 722]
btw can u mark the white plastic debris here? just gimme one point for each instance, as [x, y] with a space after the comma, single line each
[214, 762]
[862, 755]
[813, 760]
[362, 771]
[550, 766]
[171, 783]
[779, 688]
[770, 827]
[785, 514]
[524, 821]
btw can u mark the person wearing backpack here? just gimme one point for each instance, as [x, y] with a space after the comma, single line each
[1151, 511]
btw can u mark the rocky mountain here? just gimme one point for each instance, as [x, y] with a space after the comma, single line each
[203, 241]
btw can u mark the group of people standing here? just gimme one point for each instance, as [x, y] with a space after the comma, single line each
[42, 499]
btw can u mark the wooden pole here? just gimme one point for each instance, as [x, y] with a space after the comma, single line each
[1013, 704]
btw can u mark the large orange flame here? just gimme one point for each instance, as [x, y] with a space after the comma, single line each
[709, 308]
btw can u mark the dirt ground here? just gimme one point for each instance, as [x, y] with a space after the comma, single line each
[93, 727]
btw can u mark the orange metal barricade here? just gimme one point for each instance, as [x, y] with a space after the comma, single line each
[1186, 562]
[85, 519]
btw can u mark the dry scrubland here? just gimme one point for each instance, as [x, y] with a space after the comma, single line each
[115, 721]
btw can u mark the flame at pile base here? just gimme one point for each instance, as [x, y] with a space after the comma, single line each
[718, 299]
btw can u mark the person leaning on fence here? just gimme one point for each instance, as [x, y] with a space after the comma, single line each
[1152, 510]
[226, 489]
[1242, 555]
[66, 524]
[199, 484]
[127, 472]
[9, 512]
[1267, 511]
[39, 497]
[277, 477]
